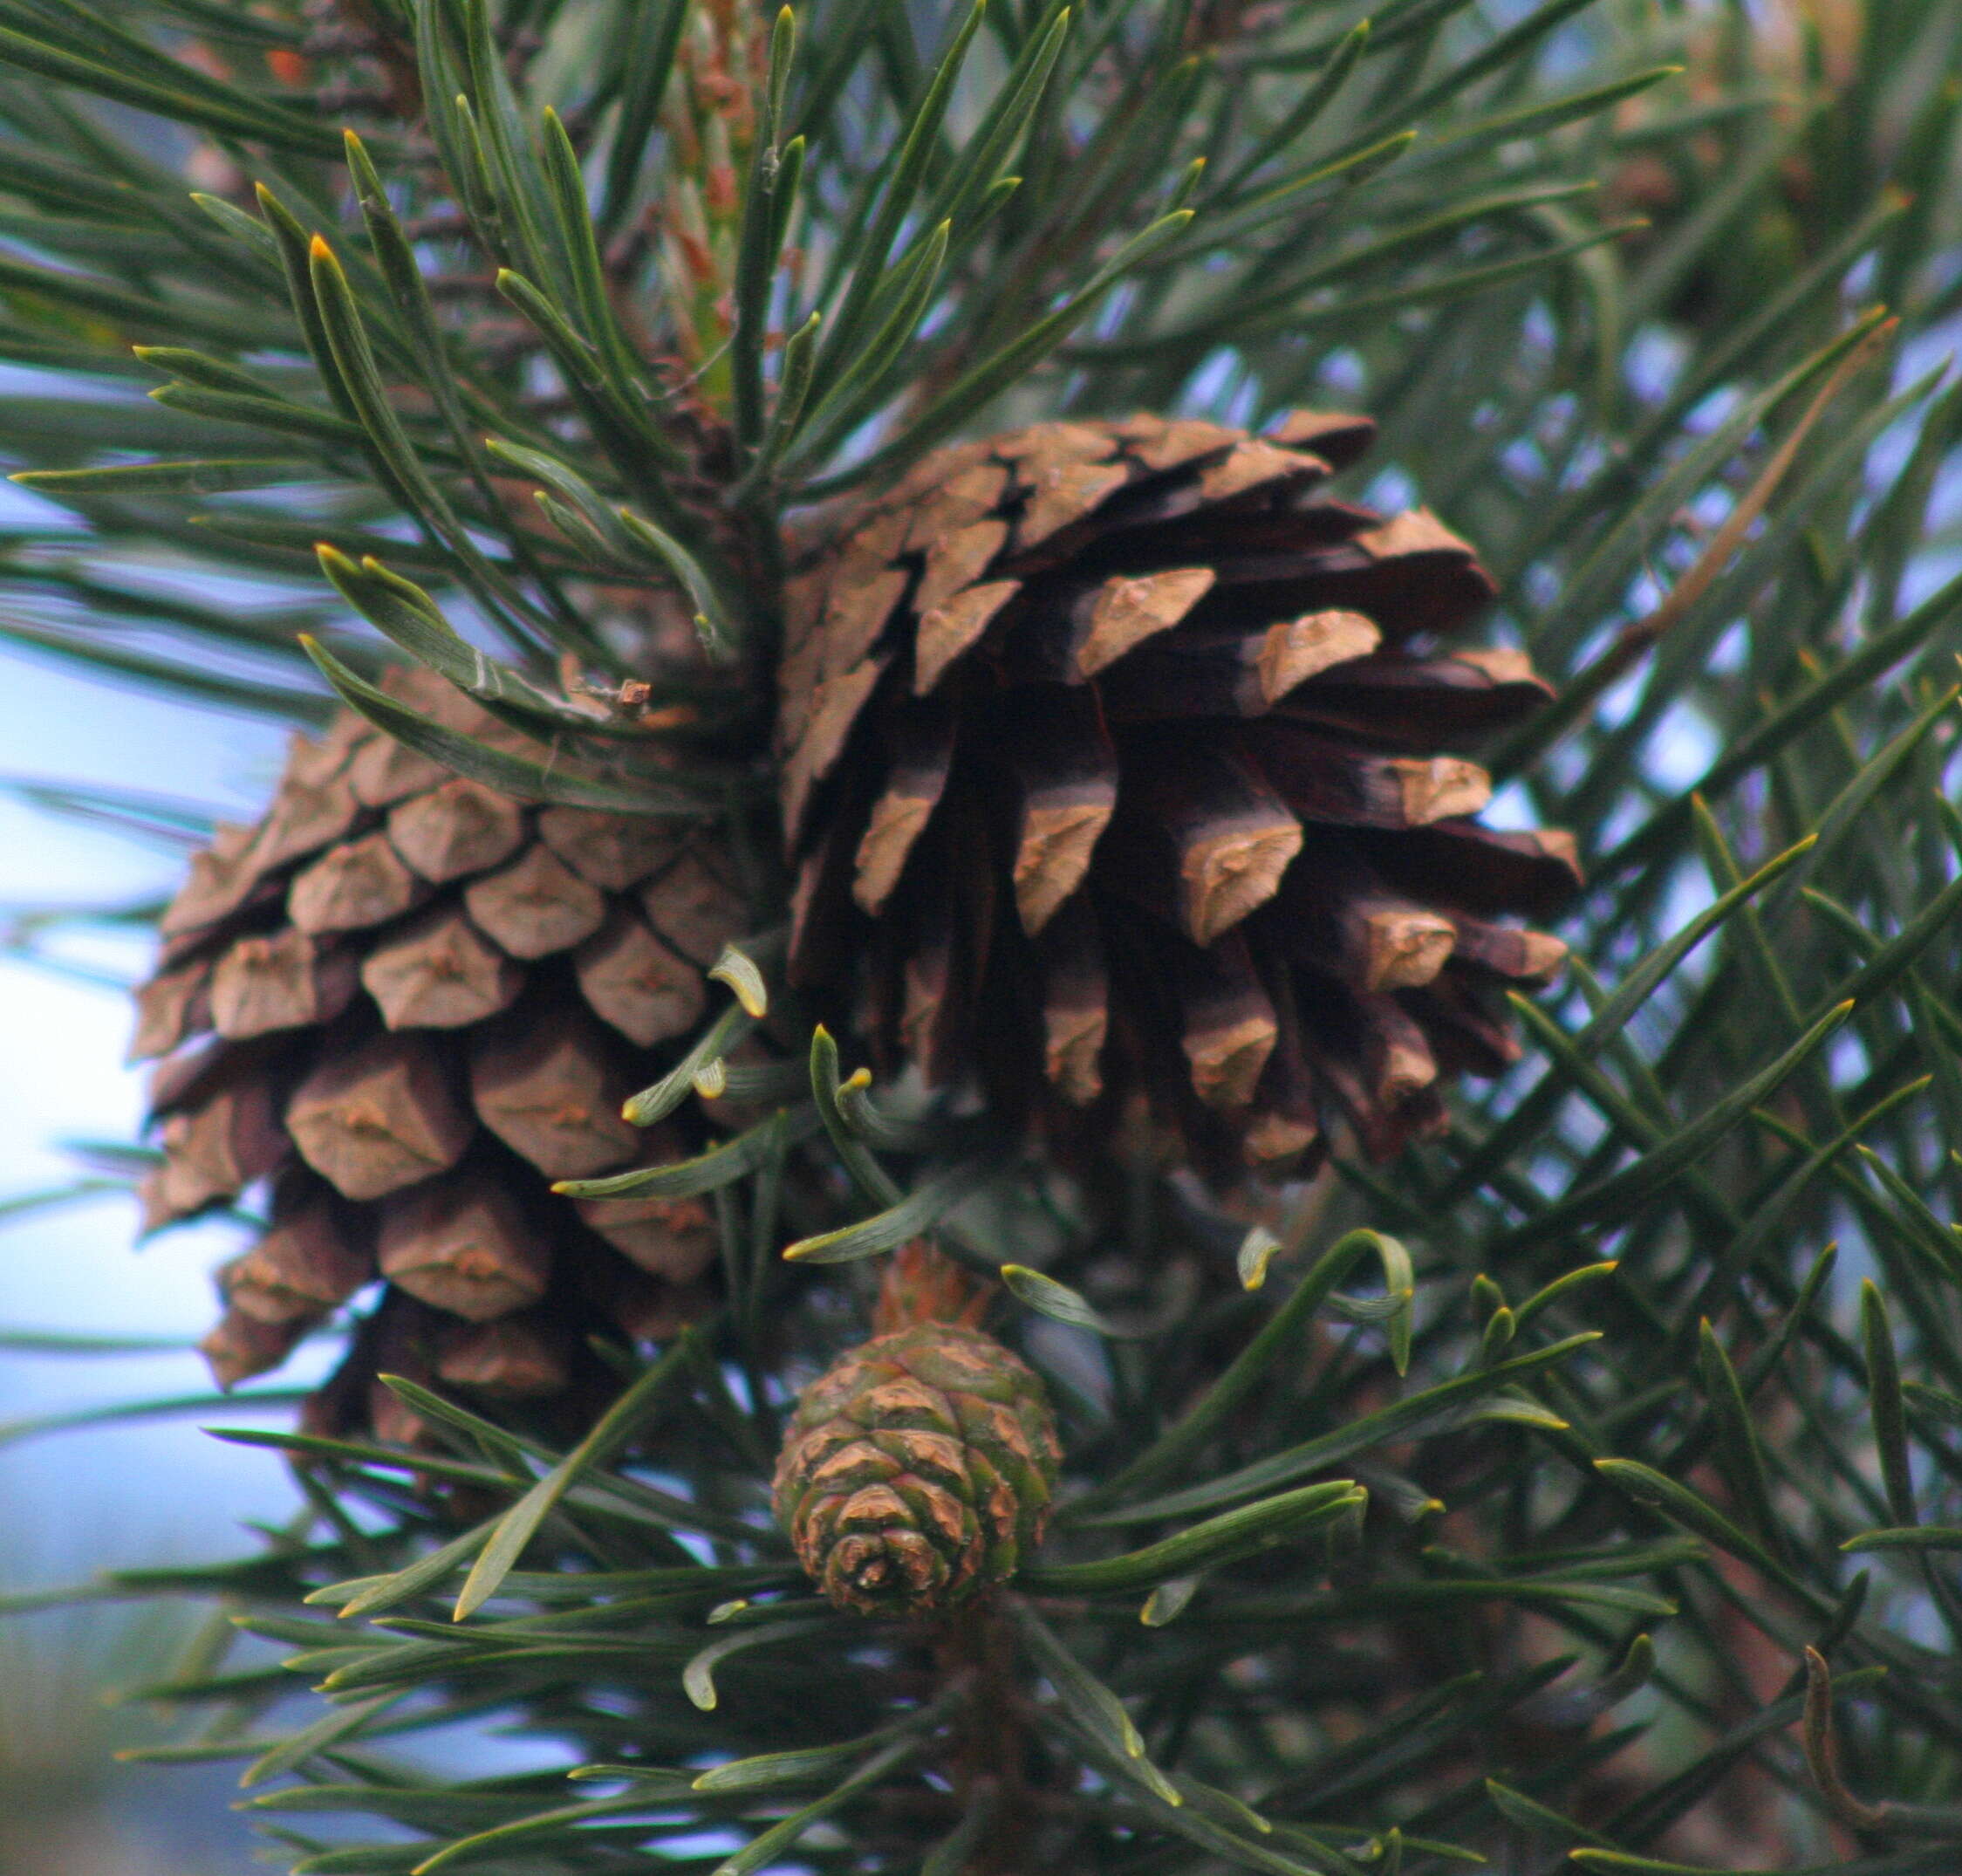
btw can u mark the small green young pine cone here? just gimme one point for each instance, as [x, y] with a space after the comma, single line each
[917, 1470]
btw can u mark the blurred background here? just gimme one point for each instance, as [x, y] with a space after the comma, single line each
[78, 1500]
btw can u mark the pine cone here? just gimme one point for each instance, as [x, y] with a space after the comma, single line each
[1111, 761]
[405, 1004]
[917, 1470]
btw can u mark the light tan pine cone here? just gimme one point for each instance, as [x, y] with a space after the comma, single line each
[401, 1006]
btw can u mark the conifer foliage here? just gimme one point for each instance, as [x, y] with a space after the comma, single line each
[524, 398]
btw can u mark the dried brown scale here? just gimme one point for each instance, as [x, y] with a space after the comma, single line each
[1119, 759]
[395, 999]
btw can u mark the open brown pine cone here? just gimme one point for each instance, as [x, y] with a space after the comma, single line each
[1116, 760]
[407, 1004]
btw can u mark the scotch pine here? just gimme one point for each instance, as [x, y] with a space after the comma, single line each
[1567, 1478]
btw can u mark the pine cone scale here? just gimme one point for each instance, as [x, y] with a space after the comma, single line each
[1064, 767]
[353, 887]
[536, 906]
[1223, 672]
[947, 631]
[924, 737]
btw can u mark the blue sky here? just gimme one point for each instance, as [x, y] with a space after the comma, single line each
[121, 1493]
[74, 1501]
